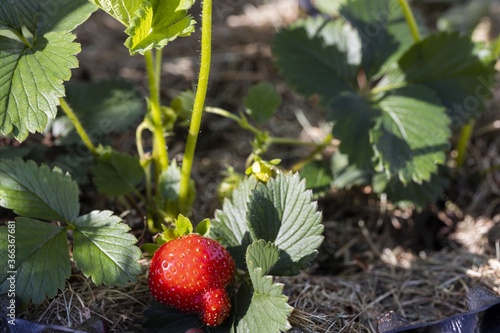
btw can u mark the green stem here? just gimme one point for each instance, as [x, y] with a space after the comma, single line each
[22, 38]
[78, 125]
[319, 148]
[199, 101]
[463, 143]
[291, 142]
[160, 155]
[410, 19]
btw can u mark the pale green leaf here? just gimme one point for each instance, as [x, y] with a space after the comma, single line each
[122, 10]
[116, 173]
[38, 192]
[230, 225]
[265, 308]
[41, 259]
[413, 134]
[283, 212]
[262, 101]
[158, 22]
[169, 182]
[31, 81]
[261, 254]
[104, 250]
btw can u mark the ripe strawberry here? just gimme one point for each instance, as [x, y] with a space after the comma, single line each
[190, 273]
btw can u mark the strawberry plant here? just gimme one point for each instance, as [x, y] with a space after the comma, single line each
[393, 91]
[269, 225]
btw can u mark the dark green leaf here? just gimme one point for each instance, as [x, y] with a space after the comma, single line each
[230, 225]
[41, 259]
[31, 81]
[347, 175]
[412, 136]
[353, 118]
[104, 250]
[317, 175]
[38, 192]
[103, 107]
[262, 101]
[451, 66]
[283, 212]
[382, 29]
[40, 17]
[314, 64]
[161, 319]
[116, 173]
[414, 193]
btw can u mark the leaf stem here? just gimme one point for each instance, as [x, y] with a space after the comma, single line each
[199, 102]
[22, 38]
[319, 148]
[160, 155]
[78, 126]
[463, 143]
[410, 19]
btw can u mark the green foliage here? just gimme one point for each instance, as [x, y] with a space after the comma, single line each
[264, 308]
[104, 107]
[392, 100]
[36, 59]
[116, 173]
[262, 101]
[102, 247]
[150, 24]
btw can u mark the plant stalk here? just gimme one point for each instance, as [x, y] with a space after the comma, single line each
[78, 125]
[199, 102]
[410, 19]
[463, 143]
[160, 155]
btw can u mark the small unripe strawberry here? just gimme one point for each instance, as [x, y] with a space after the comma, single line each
[190, 273]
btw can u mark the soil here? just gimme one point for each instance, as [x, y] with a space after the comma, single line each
[375, 258]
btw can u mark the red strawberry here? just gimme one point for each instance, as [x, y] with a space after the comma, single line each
[190, 273]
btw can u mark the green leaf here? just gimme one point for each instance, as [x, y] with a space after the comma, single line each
[183, 226]
[183, 104]
[122, 10]
[318, 176]
[382, 30]
[169, 182]
[39, 17]
[104, 250]
[266, 308]
[261, 254]
[283, 212]
[37, 192]
[451, 66]
[412, 135]
[230, 225]
[419, 194]
[116, 173]
[31, 81]
[41, 259]
[104, 107]
[262, 101]
[158, 22]
[315, 58]
[203, 228]
[352, 113]
[347, 175]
